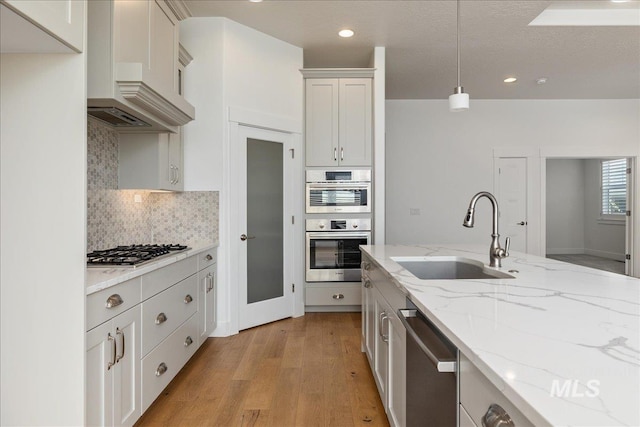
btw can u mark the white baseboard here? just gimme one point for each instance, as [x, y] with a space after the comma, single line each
[605, 254]
[565, 251]
[332, 308]
[223, 329]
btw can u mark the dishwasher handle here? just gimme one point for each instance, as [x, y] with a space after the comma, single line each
[441, 365]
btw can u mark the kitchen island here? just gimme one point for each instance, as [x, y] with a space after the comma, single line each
[560, 341]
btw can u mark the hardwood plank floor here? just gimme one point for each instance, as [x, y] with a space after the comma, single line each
[302, 372]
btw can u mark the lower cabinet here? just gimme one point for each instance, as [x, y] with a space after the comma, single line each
[150, 328]
[384, 340]
[113, 371]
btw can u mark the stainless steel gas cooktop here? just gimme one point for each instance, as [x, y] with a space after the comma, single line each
[132, 255]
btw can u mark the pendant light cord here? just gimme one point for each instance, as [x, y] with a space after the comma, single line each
[458, 37]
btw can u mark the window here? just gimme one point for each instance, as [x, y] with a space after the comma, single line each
[614, 188]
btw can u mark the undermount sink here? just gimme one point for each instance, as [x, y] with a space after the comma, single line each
[448, 268]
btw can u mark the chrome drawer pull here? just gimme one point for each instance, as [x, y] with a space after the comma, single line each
[161, 318]
[188, 299]
[162, 368]
[114, 301]
[365, 266]
[338, 296]
[188, 341]
[496, 416]
[208, 257]
[367, 283]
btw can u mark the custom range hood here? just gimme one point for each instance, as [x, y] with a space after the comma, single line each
[133, 59]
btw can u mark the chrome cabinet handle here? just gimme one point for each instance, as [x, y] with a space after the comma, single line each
[209, 282]
[338, 296]
[385, 337]
[172, 175]
[162, 368]
[177, 174]
[335, 154]
[341, 154]
[161, 318]
[114, 301]
[208, 257]
[188, 299]
[367, 283]
[188, 341]
[121, 334]
[496, 416]
[113, 351]
[365, 265]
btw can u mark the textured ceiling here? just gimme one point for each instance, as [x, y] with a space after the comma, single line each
[420, 39]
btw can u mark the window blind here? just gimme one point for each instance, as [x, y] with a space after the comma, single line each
[614, 187]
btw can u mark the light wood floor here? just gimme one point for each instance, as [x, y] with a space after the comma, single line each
[307, 371]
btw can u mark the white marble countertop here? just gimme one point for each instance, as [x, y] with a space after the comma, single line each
[555, 322]
[97, 278]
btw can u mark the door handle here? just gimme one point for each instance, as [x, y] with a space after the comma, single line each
[522, 223]
[244, 237]
[441, 365]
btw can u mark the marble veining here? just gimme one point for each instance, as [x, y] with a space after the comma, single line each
[561, 341]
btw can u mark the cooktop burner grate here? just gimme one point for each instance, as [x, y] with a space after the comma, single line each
[131, 255]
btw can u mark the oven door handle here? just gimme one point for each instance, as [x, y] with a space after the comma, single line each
[333, 235]
[441, 365]
[339, 186]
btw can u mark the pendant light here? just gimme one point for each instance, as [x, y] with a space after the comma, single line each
[459, 101]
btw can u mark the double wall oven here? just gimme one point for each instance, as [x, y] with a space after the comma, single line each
[338, 206]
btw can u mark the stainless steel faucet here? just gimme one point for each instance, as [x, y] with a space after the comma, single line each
[496, 253]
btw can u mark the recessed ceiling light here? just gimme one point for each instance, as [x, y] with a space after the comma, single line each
[346, 33]
[255, 1]
[620, 1]
[541, 80]
[510, 80]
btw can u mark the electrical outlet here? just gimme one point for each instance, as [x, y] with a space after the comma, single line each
[414, 211]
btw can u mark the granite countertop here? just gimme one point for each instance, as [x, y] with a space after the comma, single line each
[97, 278]
[554, 323]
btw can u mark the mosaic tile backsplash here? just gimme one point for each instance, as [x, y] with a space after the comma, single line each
[115, 218]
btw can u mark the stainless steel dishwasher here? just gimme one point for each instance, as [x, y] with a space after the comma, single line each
[432, 365]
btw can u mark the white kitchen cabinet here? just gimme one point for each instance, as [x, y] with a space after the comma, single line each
[479, 398]
[42, 26]
[113, 371]
[151, 161]
[384, 332]
[133, 62]
[207, 279]
[338, 122]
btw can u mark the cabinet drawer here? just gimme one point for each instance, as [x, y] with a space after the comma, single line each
[120, 297]
[477, 393]
[159, 280]
[334, 295]
[173, 352]
[206, 259]
[163, 313]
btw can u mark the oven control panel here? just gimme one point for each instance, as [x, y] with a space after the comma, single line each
[352, 224]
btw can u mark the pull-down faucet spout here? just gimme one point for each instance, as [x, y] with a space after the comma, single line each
[496, 253]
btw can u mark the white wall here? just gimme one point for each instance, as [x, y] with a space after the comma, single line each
[601, 238]
[43, 176]
[436, 160]
[235, 70]
[565, 206]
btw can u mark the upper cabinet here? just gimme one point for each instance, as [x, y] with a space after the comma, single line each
[338, 120]
[41, 26]
[133, 79]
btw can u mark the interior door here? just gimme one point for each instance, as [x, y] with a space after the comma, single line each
[512, 200]
[265, 212]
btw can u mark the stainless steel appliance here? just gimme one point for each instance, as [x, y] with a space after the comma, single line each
[338, 191]
[132, 255]
[333, 249]
[432, 365]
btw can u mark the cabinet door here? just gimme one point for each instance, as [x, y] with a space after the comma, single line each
[355, 122]
[321, 122]
[397, 372]
[163, 45]
[126, 372]
[206, 302]
[381, 346]
[62, 19]
[100, 353]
